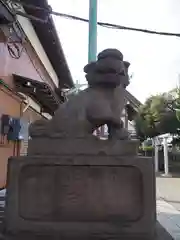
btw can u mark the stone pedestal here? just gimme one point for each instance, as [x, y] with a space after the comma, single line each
[77, 146]
[72, 186]
[82, 196]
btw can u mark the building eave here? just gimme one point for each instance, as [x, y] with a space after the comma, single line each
[49, 39]
[40, 92]
[135, 103]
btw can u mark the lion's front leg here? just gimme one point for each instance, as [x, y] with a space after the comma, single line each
[117, 131]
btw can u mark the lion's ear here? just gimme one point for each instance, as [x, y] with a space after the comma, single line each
[126, 64]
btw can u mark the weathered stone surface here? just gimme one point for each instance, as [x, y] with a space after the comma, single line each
[161, 234]
[101, 103]
[107, 65]
[83, 113]
[92, 146]
[82, 196]
[110, 53]
[73, 185]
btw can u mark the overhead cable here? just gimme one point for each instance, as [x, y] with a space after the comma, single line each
[49, 11]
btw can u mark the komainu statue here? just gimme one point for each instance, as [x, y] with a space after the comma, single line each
[73, 185]
[101, 103]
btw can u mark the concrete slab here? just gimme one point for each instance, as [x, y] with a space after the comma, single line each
[169, 217]
[168, 204]
[162, 234]
[167, 190]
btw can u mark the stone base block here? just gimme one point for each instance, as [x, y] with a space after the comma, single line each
[94, 146]
[82, 197]
[161, 234]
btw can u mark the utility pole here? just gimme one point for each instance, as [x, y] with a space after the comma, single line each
[92, 45]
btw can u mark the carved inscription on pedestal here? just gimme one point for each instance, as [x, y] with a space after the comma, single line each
[80, 193]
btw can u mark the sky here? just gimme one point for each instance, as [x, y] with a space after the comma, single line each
[155, 60]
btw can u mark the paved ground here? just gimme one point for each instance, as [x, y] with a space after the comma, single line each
[168, 204]
[162, 234]
[168, 189]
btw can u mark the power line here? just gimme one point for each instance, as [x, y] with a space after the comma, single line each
[49, 11]
[115, 26]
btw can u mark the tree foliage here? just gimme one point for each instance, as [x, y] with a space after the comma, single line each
[160, 114]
